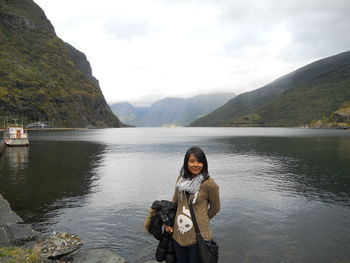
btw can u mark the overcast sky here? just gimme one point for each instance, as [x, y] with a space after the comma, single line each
[144, 50]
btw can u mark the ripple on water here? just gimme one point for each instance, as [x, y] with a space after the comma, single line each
[285, 192]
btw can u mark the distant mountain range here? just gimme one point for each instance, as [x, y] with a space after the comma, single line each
[296, 99]
[44, 78]
[170, 111]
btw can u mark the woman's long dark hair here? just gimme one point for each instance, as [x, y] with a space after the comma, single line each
[200, 155]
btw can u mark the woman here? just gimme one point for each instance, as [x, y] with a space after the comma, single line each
[204, 195]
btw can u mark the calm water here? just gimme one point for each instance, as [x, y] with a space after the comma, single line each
[285, 192]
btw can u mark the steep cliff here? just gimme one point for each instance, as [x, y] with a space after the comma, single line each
[44, 78]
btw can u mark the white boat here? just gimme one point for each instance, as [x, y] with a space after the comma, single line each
[16, 136]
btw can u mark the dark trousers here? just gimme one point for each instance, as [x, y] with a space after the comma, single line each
[186, 254]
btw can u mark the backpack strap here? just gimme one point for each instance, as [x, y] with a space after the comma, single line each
[194, 220]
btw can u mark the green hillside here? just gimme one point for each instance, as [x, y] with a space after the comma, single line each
[295, 99]
[42, 77]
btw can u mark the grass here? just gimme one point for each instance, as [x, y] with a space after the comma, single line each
[17, 254]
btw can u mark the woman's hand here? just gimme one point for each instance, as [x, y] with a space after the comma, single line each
[169, 229]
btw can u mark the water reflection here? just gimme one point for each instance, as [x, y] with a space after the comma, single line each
[17, 158]
[41, 179]
[317, 168]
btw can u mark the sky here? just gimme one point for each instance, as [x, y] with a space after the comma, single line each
[145, 50]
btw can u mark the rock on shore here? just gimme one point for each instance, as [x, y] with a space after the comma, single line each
[13, 231]
[58, 247]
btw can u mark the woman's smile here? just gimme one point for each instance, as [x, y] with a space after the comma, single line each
[194, 166]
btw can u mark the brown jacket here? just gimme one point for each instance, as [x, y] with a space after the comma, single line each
[206, 206]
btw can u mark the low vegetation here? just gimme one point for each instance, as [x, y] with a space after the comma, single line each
[17, 254]
[339, 119]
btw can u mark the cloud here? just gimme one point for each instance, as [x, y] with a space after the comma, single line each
[314, 28]
[126, 28]
[154, 48]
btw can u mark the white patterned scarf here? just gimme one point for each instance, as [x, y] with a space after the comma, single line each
[190, 185]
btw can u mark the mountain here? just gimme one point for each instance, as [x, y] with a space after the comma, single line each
[295, 99]
[44, 78]
[127, 113]
[170, 111]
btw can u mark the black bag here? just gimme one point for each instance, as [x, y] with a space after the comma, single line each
[208, 250]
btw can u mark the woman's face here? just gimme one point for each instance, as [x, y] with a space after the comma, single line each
[193, 165]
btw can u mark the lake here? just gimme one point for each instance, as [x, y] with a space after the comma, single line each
[285, 193]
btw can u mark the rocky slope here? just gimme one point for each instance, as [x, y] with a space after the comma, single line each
[295, 99]
[340, 119]
[44, 78]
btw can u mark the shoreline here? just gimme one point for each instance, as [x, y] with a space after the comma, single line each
[277, 127]
[20, 243]
[50, 129]
[313, 127]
